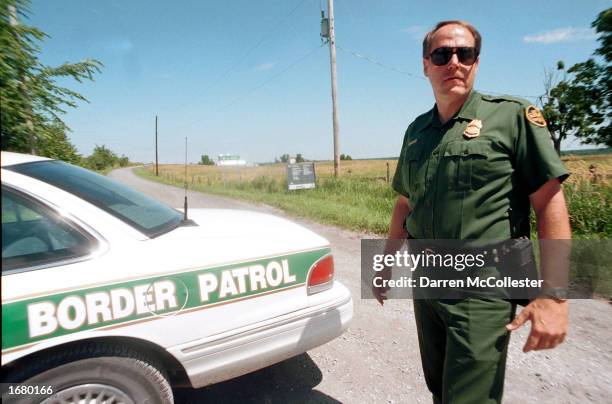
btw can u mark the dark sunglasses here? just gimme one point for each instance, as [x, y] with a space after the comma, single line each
[467, 55]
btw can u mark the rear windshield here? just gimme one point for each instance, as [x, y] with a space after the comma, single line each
[138, 210]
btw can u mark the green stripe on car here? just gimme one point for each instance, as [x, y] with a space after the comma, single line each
[36, 319]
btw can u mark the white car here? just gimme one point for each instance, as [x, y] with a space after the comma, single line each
[111, 295]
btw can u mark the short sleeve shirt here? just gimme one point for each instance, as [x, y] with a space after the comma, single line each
[474, 183]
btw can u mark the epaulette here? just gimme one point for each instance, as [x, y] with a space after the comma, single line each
[502, 98]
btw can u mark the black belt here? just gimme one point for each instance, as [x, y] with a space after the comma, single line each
[518, 249]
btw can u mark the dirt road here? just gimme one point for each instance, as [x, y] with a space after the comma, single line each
[377, 359]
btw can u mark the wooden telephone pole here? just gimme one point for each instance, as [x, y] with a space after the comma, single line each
[156, 159]
[329, 33]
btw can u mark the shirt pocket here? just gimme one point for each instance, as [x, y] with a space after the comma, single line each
[465, 164]
[416, 168]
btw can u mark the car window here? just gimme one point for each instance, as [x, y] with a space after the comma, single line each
[138, 210]
[34, 235]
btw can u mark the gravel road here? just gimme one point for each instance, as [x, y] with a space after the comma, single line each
[377, 359]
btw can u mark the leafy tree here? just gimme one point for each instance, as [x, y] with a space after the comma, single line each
[284, 158]
[101, 158]
[57, 146]
[299, 158]
[31, 100]
[567, 107]
[582, 104]
[345, 157]
[124, 161]
[206, 160]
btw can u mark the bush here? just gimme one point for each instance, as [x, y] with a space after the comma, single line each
[590, 208]
[103, 159]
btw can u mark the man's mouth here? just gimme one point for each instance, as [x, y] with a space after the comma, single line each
[453, 78]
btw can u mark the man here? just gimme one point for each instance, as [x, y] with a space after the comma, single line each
[470, 168]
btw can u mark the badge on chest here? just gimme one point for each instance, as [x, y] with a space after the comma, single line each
[472, 129]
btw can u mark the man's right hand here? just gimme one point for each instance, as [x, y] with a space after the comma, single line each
[380, 293]
[397, 238]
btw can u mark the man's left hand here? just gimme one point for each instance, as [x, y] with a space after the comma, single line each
[549, 322]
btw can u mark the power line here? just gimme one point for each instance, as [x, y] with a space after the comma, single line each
[271, 78]
[252, 90]
[223, 75]
[369, 59]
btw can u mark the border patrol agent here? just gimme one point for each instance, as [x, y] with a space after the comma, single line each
[470, 168]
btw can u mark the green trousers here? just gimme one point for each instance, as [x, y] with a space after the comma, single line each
[463, 346]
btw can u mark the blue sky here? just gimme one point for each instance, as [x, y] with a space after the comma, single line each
[193, 63]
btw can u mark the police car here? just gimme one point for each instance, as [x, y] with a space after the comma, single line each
[110, 295]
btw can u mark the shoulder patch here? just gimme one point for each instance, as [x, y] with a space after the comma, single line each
[534, 115]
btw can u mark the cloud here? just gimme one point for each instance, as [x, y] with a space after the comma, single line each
[416, 31]
[265, 66]
[568, 34]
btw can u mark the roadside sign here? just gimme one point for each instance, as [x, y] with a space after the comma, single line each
[300, 176]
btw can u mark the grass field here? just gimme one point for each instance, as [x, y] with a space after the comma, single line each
[362, 198]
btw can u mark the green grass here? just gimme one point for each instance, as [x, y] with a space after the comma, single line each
[356, 204]
[364, 204]
[591, 268]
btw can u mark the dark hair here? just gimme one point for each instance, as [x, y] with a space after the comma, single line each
[429, 36]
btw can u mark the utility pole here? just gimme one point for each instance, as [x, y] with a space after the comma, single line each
[156, 161]
[24, 91]
[331, 36]
[185, 205]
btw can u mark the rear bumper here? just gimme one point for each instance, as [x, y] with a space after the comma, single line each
[229, 356]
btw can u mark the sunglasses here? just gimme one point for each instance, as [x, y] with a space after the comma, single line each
[467, 55]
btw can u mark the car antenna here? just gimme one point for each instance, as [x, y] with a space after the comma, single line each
[185, 207]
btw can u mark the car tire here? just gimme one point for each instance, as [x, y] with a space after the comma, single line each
[105, 379]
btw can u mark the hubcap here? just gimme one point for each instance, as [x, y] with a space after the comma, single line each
[89, 394]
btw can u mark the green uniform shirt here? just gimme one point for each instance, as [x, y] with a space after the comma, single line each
[478, 187]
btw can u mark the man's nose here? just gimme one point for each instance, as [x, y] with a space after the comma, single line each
[454, 61]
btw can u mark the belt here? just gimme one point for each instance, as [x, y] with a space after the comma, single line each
[494, 254]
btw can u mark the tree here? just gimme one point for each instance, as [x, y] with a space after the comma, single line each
[31, 100]
[284, 158]
[582, 105]
[345, 157]
[205, 160]
[101, 158]
[567, 107]
[299, 158]
[57, 146]
[124, 161]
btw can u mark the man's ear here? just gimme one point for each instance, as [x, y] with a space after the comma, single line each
[425, 66]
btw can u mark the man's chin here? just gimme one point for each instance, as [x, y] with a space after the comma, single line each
[456, 90]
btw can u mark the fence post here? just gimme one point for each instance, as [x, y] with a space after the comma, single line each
[387, 172]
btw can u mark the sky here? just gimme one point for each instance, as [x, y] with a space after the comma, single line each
[252, 78]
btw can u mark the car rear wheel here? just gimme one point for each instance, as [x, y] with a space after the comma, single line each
[106, 379]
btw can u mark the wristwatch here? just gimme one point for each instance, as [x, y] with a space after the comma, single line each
[560, 294]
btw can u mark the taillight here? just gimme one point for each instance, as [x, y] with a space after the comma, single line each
[321, 275]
